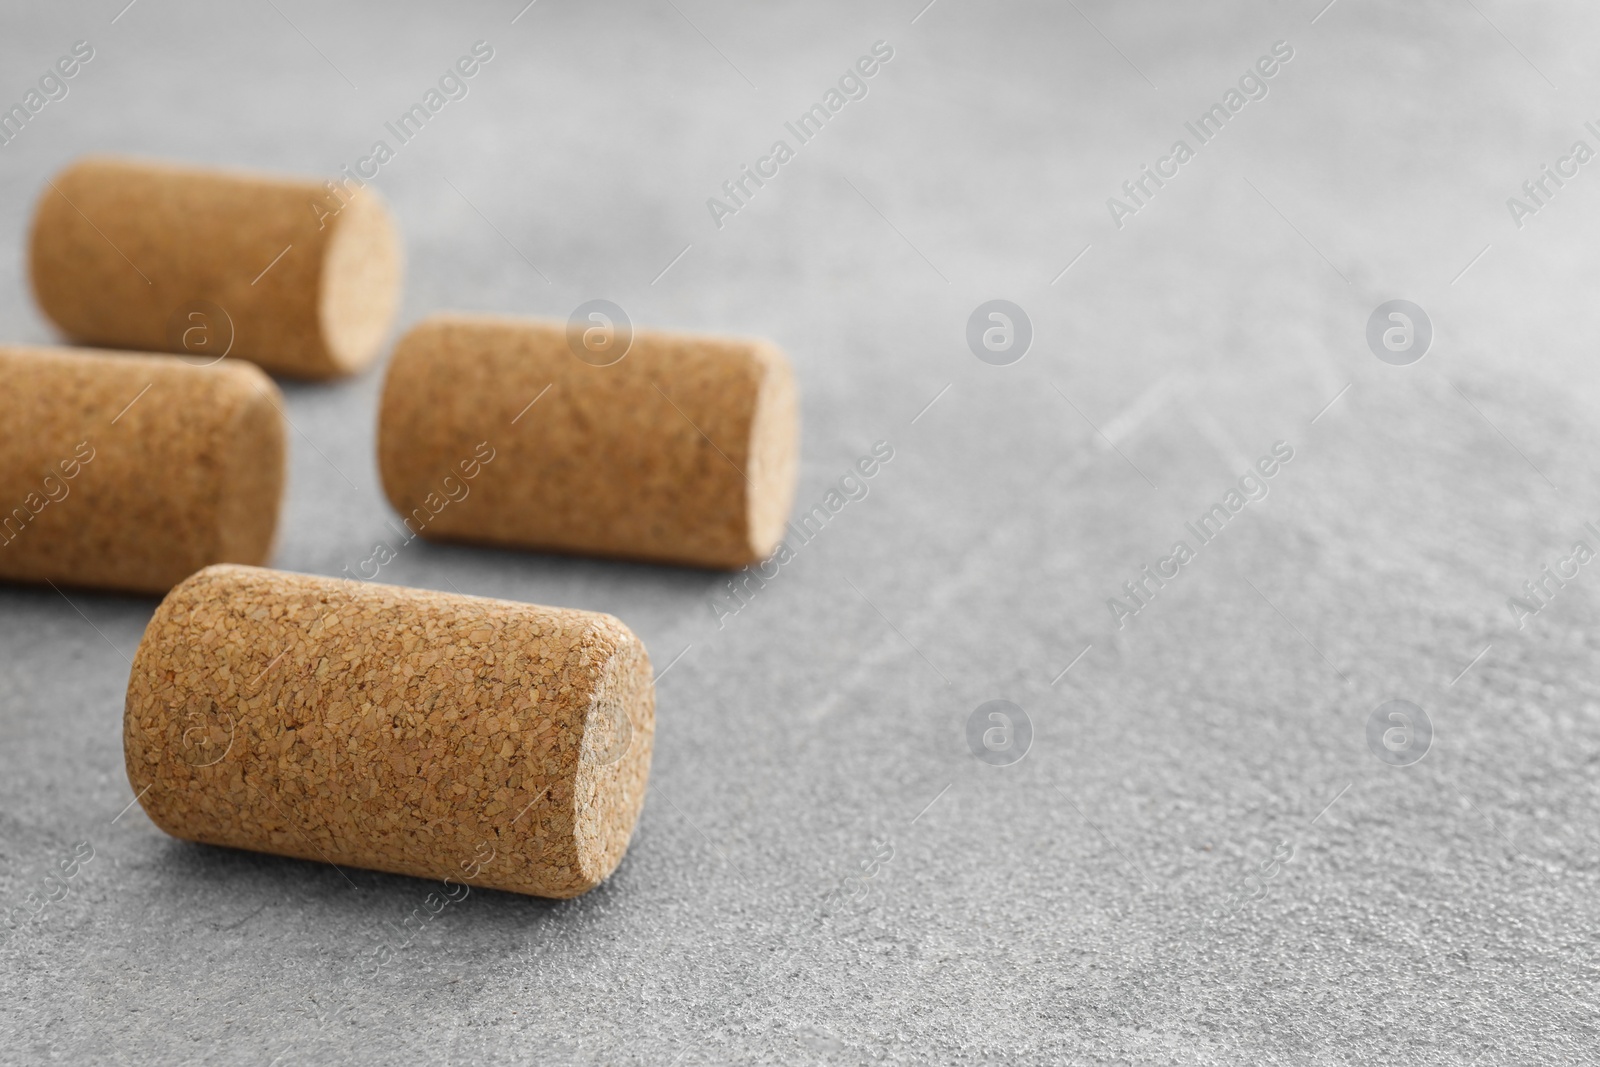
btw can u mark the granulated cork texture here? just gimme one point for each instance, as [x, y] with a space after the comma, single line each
[131, 472]
[492, 743]
[280, 271]
[684, 451]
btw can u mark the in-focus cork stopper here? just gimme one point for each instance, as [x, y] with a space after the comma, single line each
[498, 744]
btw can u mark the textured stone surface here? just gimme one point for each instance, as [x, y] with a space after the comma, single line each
[1058, 910]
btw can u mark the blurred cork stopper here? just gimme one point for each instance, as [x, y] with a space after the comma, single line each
[163, 258]
[683, 451]
[131, 472]
[493, 743]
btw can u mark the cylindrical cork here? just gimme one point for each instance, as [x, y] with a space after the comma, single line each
[491, 743]
[299, 276]
[683, 451]
[132, 472]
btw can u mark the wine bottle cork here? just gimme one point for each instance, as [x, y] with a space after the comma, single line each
[132, 472]
[487, 742]
[684, 450]
[298, 276]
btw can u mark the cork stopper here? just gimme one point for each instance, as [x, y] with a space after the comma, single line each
[486, 742]
[683, 451]
[132, 472]
[287, 273]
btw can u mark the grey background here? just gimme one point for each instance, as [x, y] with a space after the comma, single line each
[1089, 904]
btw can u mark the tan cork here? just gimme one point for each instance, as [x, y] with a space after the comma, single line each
[487, 742]
[164, 258]
[684, 451]
[131, 472]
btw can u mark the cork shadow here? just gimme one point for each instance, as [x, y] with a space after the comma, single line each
[233, 882]
[588, 582]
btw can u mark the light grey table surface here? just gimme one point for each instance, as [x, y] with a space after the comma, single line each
[1200, 859]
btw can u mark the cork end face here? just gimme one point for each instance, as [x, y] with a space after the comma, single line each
[252, 453]
[614, 759]
[361, 269]
[40, 260]
[204, 734]
[396, 436]
[774, 464]
[55, 255]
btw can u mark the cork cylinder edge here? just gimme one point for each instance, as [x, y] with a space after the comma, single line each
[133, 743]
[362, 268]
[774, 453]
[49, 199]
[614, 759]
[390, 442]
